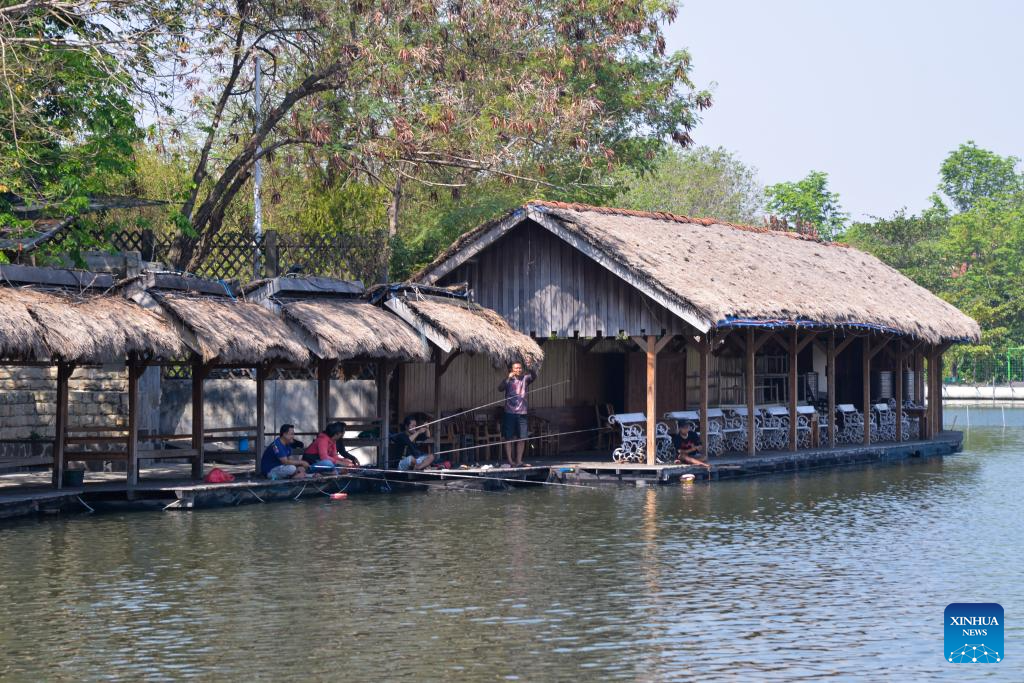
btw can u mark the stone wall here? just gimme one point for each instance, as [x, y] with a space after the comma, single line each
[28, 405]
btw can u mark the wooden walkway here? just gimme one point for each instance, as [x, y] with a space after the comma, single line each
[169, 486]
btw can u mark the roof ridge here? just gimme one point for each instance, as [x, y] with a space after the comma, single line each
[676, 218]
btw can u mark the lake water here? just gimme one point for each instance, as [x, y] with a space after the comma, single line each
[834, 573]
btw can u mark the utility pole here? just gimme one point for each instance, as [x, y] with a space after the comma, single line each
[257, 203]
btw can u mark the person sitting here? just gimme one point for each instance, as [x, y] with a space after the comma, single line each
[277, 461]
[687, 445]
[408, 440]
[327, 449]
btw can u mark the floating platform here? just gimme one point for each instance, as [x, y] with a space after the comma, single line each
[169, 488]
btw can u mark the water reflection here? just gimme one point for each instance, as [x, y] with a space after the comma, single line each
[783, 578]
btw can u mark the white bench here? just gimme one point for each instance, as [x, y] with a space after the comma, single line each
[634, 439]
[772, 428]
[806, 422]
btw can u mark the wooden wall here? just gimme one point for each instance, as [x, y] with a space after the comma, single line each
[544, 287]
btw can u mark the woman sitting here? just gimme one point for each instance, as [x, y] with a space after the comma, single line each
[327, 449]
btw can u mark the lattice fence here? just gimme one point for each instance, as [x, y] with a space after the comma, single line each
[233, 255]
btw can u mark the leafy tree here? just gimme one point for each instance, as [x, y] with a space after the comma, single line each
[971, 173]
[424, 93]
[704, 181]
[808, 202]
[911, 244]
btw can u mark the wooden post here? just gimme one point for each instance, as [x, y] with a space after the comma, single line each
[261, 420]
[652, 392]
[830, 377]
[793, 389]
[60, 423]
[899, 391]
[751, 378]
[148, 245]
[324, 370]
[134, 372]
[271, 254]
[384, 411]
[866, 369]
[438, 373]
[705, 349]
[198, 375]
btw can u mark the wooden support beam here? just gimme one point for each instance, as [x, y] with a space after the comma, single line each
[384, 369]
[439, 369]
[261, 419]
[199, 371]
[899, 392]
[843, 344]
[811, 336]
[939, 422]
[60, 423]
[448, 361]
[761, 341]
[704, 351]
[751, 347]
[794, 351]
[663, 342]
[652, 392]
[866, 370]
[589, 346]
[830, 377]
[134, 373]
[875, 350]
[324, 371]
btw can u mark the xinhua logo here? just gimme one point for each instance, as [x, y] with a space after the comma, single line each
[974, 633]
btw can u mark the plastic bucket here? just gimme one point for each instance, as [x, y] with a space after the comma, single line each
[243, 445]
[73, 478]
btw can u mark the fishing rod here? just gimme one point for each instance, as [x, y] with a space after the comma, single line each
[486, 405]
[526, 438]
[458, 475]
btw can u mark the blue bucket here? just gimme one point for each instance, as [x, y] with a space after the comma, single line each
[243, 445]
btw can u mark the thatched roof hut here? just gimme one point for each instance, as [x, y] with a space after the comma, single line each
[454, 323]
[47, 322]
[340, 329]
[229, 330]
[718, 275]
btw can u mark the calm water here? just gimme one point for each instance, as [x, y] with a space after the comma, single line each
[786, 578]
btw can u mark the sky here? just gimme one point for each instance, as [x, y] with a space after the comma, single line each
[874, 93]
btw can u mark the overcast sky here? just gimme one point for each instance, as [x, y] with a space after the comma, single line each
[875, 93]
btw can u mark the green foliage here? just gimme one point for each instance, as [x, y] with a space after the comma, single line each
[702, 182]
[974, 259]
[808, 202]
[68, 124]
[970, 174]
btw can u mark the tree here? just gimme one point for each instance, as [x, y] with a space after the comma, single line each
[911, 244]
[68, 76]
[808, 202]
[425, 93]
[970, 173]
[703, 182]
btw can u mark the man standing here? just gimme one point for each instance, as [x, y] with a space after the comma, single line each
[514, 426]
[277, 461]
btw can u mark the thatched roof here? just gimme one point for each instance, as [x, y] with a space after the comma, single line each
[82, 328]
[715, 274]
[470, 328]
[230, 330]
[342, 329]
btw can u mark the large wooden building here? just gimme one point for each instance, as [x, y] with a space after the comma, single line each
[651, 312]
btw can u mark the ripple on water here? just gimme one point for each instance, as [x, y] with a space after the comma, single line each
[785, 578]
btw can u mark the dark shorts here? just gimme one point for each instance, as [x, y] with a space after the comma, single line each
[514, 426]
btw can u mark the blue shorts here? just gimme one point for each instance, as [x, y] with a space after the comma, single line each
[514, 426]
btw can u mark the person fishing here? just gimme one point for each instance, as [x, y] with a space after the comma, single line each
[514, 425]
[687, 444]
[327, 449]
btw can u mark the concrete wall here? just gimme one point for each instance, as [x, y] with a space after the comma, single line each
[232, 403]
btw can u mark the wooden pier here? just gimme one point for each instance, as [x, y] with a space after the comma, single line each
[170, 488]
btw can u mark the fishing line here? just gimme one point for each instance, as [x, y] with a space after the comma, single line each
[504, 441]
[485, 405]
[483, 476]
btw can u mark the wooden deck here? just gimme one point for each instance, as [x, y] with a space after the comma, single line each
[169, 487]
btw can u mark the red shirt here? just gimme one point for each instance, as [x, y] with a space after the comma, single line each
[325, 448]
